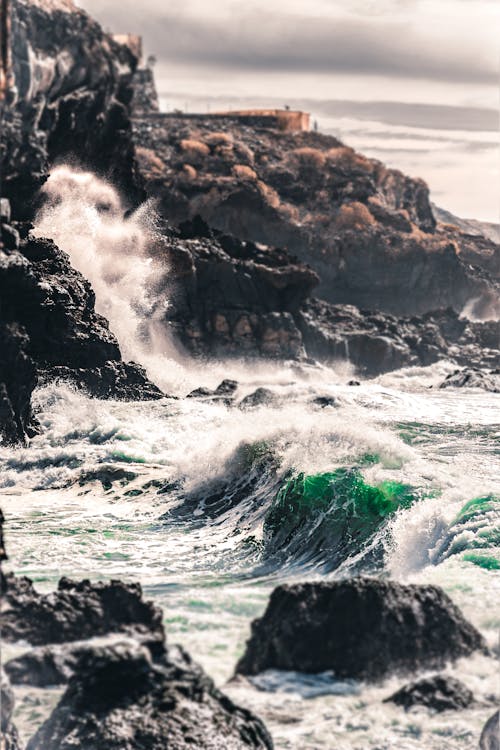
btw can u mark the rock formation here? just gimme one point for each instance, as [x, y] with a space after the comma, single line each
[362, 628]
[121, 700]
[490, 736]
[69, 97]
[368, 231]
[438, 693]
[76, 610]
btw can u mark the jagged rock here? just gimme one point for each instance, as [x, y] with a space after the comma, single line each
[17, 381]
[71, 88]
[378, 342]
[76, 610]
[472, 378]
[235, 298]
[120, 700]
[9, 738]
[490, 736]
[362, 629]
[439, 693]
[368, 231]
[47, 666]
[48, 324]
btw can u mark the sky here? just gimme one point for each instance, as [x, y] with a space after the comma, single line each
[414, 83]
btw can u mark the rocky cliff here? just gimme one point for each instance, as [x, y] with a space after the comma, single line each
[68, 98]
[369, 231]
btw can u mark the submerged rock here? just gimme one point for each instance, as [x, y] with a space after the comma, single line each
[77, 611]
[490, 736]
[260, 397]
[439, 693]
[473, 378]
[363, 629]
[120, 700]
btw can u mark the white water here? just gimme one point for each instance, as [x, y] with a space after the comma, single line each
[64, 519]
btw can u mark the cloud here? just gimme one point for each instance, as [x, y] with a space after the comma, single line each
[254, 38]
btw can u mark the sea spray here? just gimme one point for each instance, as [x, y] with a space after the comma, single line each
[115, 251]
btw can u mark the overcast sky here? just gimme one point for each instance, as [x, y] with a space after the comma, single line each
[405, 69]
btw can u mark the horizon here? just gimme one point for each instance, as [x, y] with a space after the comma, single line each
[403, 81]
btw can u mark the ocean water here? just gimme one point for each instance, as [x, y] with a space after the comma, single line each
[210, 506]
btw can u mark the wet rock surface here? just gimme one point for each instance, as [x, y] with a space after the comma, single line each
[362, 629]
[9, 738]
[121, 700]
[490, 736]
[70, 95]
[49, 330]
[76, 610]
[473, 378]
[439, 693]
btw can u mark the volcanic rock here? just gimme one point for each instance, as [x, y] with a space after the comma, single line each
[120, 700]
[368, 231]
[363, 629]
[71, 88]
[490, 736]
[473, 378]
[75, 611]
[9, 738]
[439, 693]
[49, 330]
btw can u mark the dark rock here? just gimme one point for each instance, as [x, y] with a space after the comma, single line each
[226, 388]
[472, 378]
[363, 629]
[354, 383]
[9, 738]
[260, 397]
[439, 693]
[48, 325]
[76, 611]
[18, 379]
[234, 298]
[77, 110]
[120, 700]
[490, 736]
[47, 666]
[368, 231]
[324, 401]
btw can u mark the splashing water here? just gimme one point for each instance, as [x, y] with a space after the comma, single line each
[86, 218]
[211, 505]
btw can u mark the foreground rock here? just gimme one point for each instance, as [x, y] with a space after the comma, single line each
[120, 700]
[473, 378]
[490, 737]
[77, 610]
[362, 629]
[439, 693]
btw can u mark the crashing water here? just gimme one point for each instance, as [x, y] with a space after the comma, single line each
[210, 506]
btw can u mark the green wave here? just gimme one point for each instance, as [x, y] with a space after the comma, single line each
[333, 512]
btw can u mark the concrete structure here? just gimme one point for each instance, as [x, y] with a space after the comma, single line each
[286, 120]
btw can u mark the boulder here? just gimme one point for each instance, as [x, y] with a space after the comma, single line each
[120, 700]
[9, 738]
[473, 378]
[439, 693]
[76, 611]
[490, 736]
[361, 628]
